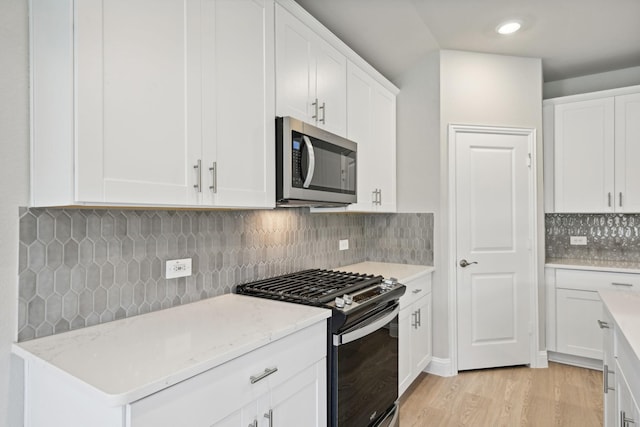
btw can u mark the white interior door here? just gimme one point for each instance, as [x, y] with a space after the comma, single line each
[494, 235]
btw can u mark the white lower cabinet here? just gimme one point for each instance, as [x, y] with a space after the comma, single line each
[284, 381]
[573, 310]
[281, 384]
[621, 377]
[415, 352]
[577, 323]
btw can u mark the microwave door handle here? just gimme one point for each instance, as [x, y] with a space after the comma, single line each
[312, 161]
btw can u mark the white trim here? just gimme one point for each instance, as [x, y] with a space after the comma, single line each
[534, 335]
[542, 361]
[591, 95]
[570, 359]
[440, 367]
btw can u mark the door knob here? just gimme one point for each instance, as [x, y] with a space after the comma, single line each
[465, 263]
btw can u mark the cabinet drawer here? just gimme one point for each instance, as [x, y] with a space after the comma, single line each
[416, 288]
[596, 280]
[207, 398]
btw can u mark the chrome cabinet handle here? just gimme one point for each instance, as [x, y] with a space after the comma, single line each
[214, 177]
[603, 325]
[609, 199]
[416, 291]
[198, 185]
[380, 196]
[629, 285]
[419, 317]
[374, 199]
[605, 379]
[269, 416]
[315, 105]
[324, 112]
[312, 161]
[268, 371]
[254, 423]
[621, 199]
[464, 263]
[624, 421]
[414, 322]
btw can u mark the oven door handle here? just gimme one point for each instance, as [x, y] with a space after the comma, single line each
[365, 330]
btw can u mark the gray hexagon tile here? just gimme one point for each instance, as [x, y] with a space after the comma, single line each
[80, 267]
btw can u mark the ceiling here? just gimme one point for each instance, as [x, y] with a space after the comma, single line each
[573, 37]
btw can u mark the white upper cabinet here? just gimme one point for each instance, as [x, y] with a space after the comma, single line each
[584, 156]
[311, 75]
[594, 147]
[238, 156]
[134, 101]
[627, 153]
[371, 123]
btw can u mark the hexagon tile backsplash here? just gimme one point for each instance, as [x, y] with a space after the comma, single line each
[610, 237]
[81, 267]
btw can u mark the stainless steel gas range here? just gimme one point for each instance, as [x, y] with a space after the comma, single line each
[362, 339]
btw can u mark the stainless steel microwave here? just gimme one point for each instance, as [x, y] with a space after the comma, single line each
[313, 167]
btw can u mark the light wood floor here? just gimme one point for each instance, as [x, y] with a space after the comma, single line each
[560, 395]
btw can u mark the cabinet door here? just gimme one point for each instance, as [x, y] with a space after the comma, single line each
[627, 147]
[405, 325]
[577, 318]
[138, 101]
[239, 116]
[360, 130]
[371, 123]
[301, 400]
[609, 370]
[421, 335]
[331, 88]
[584, 138]
[295, 69]
[628, 412]
[384, 133]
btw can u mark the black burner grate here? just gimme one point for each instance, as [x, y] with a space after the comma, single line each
[312, 287]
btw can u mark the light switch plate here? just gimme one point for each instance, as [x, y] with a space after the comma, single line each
[178, 268]
[578, 240]
[344, 244]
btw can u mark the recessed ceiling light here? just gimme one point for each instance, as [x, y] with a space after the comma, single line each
[508, 27]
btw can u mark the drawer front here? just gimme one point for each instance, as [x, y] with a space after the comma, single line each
[218, 392]
[596, 280]
[416, 288]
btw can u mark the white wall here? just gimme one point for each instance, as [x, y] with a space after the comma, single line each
[418, 136]
[592, 83]
[418, 171]
[14, 181]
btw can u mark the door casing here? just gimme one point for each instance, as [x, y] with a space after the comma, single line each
[453, 131]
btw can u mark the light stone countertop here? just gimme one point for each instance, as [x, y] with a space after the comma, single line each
[402, 272]
[125, 360]
[624, 306]
[594, 265]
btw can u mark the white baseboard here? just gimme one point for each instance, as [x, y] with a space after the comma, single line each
[440, 367]
[582, 362]
[542, 360]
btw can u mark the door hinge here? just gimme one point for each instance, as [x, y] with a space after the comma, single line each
[529, 159]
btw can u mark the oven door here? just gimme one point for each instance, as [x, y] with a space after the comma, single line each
[365, 372]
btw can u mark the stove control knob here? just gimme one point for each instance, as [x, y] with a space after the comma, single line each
[339, 302]
[389, 283]
[348, 299]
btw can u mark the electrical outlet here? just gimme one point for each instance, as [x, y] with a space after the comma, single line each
[344, 244]
[578, 240]
[178, 268]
